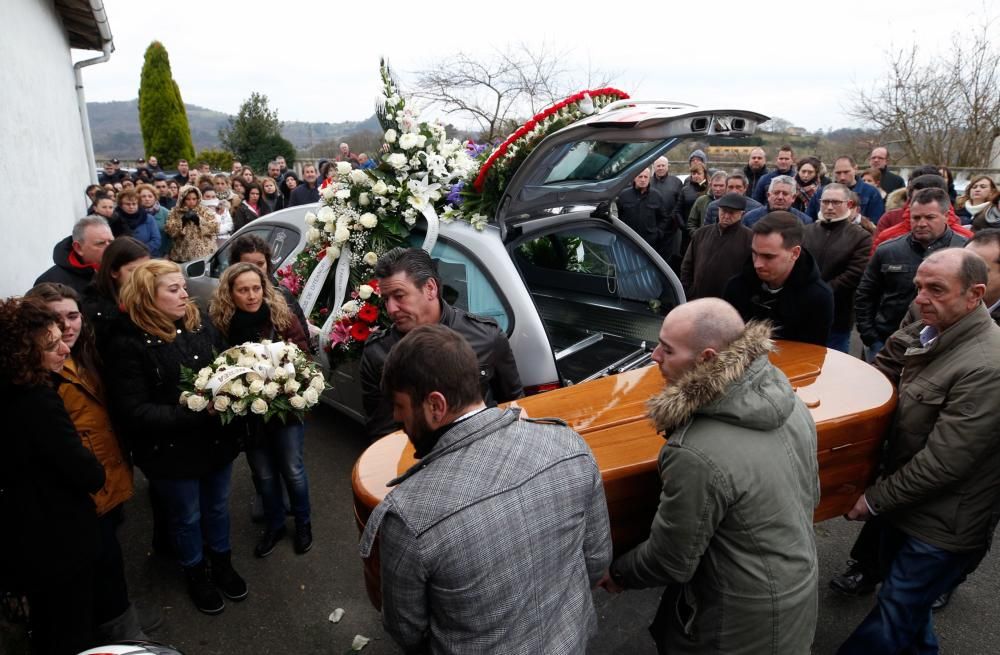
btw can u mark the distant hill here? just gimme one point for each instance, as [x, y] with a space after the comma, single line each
[115, 129]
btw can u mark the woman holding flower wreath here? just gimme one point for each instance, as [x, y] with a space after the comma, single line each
[49, 546]
[186, 455]
[246, 307]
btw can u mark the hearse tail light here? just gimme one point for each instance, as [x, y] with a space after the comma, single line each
[533, 389]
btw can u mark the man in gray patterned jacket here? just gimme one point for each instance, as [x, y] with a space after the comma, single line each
[492, 542]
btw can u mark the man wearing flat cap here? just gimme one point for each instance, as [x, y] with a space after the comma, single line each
[717, 251]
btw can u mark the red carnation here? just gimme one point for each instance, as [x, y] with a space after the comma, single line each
[360, 331]
[368, 313]
[373, 283]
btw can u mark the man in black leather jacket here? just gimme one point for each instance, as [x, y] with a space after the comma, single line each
[410, 288]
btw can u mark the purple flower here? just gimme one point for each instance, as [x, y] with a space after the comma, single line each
[455, 195]
[474, 149]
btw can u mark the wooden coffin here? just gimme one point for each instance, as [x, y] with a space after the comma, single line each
[851, 402]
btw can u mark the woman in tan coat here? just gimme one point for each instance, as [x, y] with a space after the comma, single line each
[83, 397]
[191, 226]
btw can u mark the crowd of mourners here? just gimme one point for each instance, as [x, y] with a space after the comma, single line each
[93, 355]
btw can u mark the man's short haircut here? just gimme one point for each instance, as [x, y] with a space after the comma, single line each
[787, 149]
[787, 180]
[972, 271]
[415, 262]
[273, 162]
[926, 181]
[719, 174]
[933, 194]
[847, 158]
[251, 243]
[738, 176]
[836, 186]
[971, 267]
[305, 166]
[433, 358]
[986, 237]
[182, 161]
[784, 223]
[755, 149]
[80, 227]
[920, 172]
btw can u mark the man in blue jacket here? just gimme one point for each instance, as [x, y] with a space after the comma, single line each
[784, 164]
[845, 171]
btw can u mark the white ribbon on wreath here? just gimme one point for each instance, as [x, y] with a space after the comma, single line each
[433, 227]
[340, 282]
[310, 292]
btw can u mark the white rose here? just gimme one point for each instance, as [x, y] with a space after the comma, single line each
[279, 374]
[330, 227]
[332, 252]
[343, 194]
[371, 259]
[247, 361]
[252, 377]
[364, 291]
[200, 383]
[390, 136]
[313, 235]
[256, 387]
[358, 177]
[219, 361]
[237, 389]
[221, 403]
[184, 397]
[329, 192]
[317, 383]
[396, 160]
[271, 389]
[297, 402]
[368, 220]
[421, 140]
[311, 396]
[380, 188]
[341, 235]
[343, 167]
[258, 406]
[349, 307]
[408, 141]
[196, 403]
[310, 218]
[326, 214]
[292, 386]
[364, 199]
[239, 407]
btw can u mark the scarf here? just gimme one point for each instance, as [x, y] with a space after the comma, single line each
[250, 326]
[975, 209]
[75, 261]
[133, 220]
[805, 191]
[252, 208]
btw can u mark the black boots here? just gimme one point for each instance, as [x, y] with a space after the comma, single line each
[268, 540]
[204, 584]
[203, 593]
[225, 576]
[303, 537]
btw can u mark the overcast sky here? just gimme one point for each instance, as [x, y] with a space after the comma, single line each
[318, 61]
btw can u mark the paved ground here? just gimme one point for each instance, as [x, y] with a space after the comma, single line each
[291, 596]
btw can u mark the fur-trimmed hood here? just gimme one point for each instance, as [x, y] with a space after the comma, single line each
[739, 386]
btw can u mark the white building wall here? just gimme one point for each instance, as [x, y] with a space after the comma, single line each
[44, 166]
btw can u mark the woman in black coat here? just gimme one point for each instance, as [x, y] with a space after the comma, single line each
[187, 455]
[50, 538]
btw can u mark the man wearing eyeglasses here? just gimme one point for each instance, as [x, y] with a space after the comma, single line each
[841, 249]
[845, 171]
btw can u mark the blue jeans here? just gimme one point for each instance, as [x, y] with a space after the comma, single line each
[839, 340]
[280, 459]
[197, 513]
[873, 350]
[917, 574]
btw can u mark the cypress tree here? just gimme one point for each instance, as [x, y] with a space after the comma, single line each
[162, 117]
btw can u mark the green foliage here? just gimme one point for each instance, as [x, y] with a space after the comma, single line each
[162, 118]
[219, 160]
[254, 134]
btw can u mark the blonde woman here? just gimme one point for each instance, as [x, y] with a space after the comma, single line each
[246, 307]
[187, 456]
[191, 226]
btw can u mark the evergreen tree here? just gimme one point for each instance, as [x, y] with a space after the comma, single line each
[162, 117]
[254, 134]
